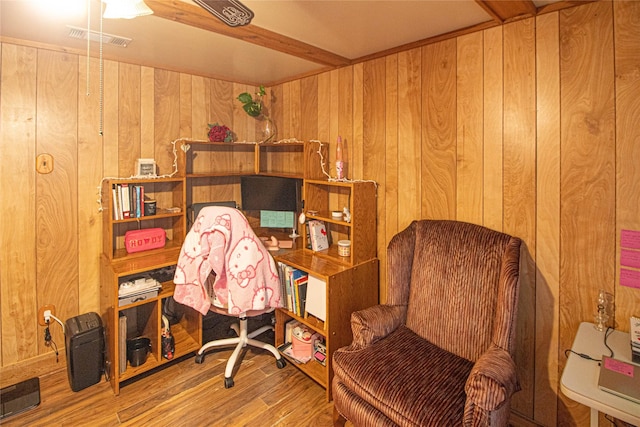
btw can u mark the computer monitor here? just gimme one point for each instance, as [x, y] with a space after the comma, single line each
[270, 193]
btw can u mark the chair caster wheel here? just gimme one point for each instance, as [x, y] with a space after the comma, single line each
[280, 363]
[200, 358]
[228, 382]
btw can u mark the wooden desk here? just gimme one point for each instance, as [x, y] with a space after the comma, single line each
[579, 379]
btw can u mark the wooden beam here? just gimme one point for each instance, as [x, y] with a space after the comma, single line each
[502, 11]
[196, 16]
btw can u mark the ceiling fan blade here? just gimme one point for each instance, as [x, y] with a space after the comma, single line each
[231, 12]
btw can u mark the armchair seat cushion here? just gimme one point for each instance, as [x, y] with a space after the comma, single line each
[430, 394]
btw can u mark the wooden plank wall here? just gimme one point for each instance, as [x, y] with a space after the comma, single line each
[587, 165]
[547, 218]
[529, 128]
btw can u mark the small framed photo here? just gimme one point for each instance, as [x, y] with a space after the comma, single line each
[145, 167]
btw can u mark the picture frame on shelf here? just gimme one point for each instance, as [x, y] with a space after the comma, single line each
[146, 168]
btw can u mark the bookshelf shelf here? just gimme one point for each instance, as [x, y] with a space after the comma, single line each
[347, 289]
[323, 197]
[144, 317]
[185, 344]
[148, 218]
[313, 369]
[214, 175]
[213, 169]
[312, 322]
[169, 193]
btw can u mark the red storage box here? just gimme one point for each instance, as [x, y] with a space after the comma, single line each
[144, 240]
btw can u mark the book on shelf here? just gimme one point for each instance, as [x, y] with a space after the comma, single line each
[316, 303]
[294, 295]
[306, 229]
[120, 205]
[293, 287]
[318, 235]
[140, 191]
[302, 298]
[283, 272]
[299, 280]
[117, 201]
[122, 343]
[120, 202]
[137, 210]
[126, 201]
[133, 198]
[287, 278]
[283, 288]
[114, 202]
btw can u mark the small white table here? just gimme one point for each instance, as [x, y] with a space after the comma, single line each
[579, 379]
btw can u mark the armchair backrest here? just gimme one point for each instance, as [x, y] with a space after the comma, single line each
[459, 282]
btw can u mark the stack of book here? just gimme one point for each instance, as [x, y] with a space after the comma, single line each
[293, 284]
[128, 201]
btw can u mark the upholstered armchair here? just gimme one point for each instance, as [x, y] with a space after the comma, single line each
[440, 351]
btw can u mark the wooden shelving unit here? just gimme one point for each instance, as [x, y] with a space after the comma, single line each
[213, 170]
[204, 159]
[118, 266]
[324, 197]
[348, 289]
[168, 193]
[212, 173]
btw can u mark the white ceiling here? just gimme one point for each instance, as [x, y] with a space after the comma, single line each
[348, 29]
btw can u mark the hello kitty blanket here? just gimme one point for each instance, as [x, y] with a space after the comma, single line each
[221, 241]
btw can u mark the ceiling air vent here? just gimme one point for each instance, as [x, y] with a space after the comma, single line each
[84, 34]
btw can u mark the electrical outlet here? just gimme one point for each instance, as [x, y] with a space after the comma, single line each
[49, 307]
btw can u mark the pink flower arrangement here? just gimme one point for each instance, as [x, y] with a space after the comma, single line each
[220, 133]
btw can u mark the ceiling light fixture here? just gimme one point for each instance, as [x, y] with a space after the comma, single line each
[127, 9]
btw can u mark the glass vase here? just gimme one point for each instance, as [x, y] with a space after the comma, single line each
[268, 130]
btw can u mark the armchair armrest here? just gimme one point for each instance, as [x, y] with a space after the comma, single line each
[373, 323]
[492, 380]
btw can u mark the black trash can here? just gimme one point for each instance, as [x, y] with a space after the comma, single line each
[84, 338]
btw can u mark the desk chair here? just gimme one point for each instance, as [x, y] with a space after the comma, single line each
[241, 340]
[224, 267]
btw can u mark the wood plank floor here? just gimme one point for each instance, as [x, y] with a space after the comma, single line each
[188, 394]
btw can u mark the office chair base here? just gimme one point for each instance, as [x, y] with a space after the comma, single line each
[243, 339]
